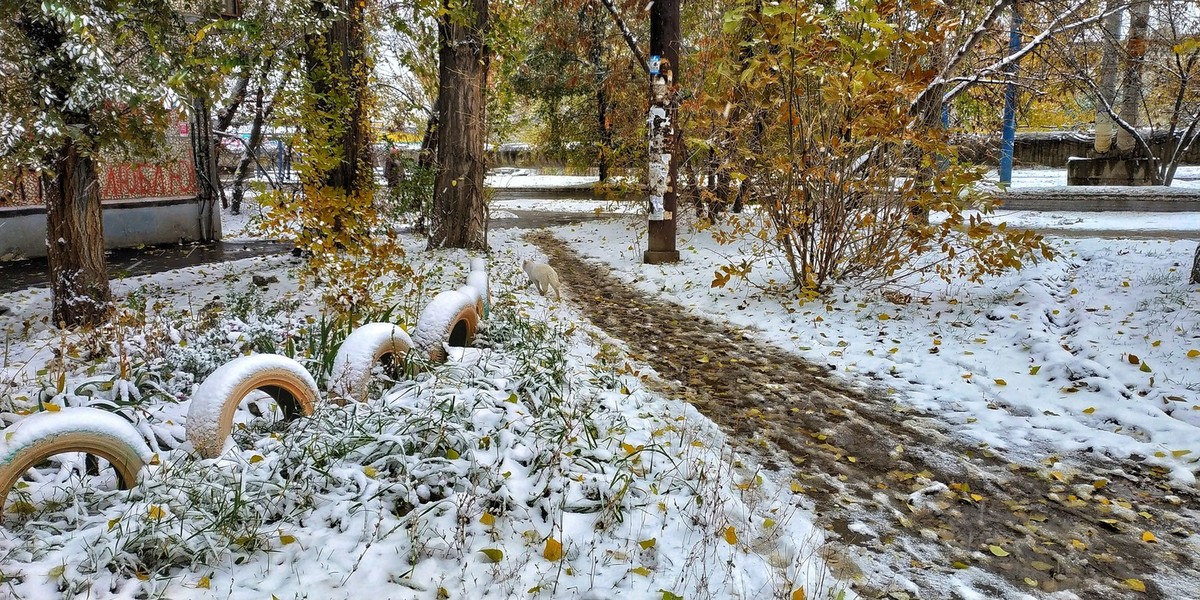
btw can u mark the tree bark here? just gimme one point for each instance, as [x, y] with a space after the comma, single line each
[75, 239]
[459, 215]
[1196, 265]
[665, 150]
[1131, 87]
[1108, 77]
[244, 166]
[338, 73]
[208, 180]
[599, 75]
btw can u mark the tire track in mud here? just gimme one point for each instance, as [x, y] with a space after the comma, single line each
[906, 499]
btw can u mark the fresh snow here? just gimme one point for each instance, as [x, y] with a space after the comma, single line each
[966, 352]
[356, 357]
[48, 425]
[208, 404]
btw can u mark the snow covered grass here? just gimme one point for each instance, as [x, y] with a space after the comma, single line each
[532, 465]
[1098, 352]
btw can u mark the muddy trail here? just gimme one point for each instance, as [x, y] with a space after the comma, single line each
[902, 497]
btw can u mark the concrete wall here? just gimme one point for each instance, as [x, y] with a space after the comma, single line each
[127, 223]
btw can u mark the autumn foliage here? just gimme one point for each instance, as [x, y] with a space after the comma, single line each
[851, 181]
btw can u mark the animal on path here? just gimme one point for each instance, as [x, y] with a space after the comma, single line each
[543, 277]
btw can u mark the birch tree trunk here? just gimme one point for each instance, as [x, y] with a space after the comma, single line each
[1131, 87]
[459, 215]
[1108, 77]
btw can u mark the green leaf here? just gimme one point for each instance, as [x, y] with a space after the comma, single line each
[998, 551]
[494, 554]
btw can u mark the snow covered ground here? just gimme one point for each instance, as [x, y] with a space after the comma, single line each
[495, 477]
[534, 466]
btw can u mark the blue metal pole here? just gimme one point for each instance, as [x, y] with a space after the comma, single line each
[1010, 101]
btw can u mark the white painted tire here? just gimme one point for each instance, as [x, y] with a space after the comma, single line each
[450, 318]
[472, 292]
[42, 435]
[360, 352]
[479, 265]
[210, 416]
[479, 281]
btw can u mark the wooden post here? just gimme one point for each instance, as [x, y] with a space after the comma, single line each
[665, 152]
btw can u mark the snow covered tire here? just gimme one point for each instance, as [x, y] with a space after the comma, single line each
[450, 318]
[479, 281]
[360, 352]
[210, 416]
[42, 435]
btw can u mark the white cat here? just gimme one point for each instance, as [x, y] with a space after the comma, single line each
[543, 277]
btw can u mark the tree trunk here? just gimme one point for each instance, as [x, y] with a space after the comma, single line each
[1196, 265]
[1131, 87]
[665, 150]
[244, 166]
[208, 180]
[338, 73]
[459, 215]
[1108, 77]
[75, 239]
[599, 75]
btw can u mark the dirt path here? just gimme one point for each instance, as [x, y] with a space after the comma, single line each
[907, 499]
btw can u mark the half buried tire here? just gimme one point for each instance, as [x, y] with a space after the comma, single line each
[450, 318]
[479, 281]
[360, 352]
[210, 416]
[37, 437]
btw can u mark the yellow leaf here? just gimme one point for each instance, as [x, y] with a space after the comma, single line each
[286, 539]
[553, 550]
[52, 407]
[488, 519]
[1135, 585]
[1031, 581]
[1193, 353]
[452, 454]
[797, 488]
[56, 572]
[1078, 545]
[156, 512]
[494, 554]
[1041, 566]
[1089, 410]
[1074, 290]
[730, 535]
[1145, 368]
[203, 583]
[768, 523]
[960, 565]
[1034, 369]
[370, 471]
[884, 316]
[257, 458]
[1099, 483]
[976, 497]
[1148, 537]
[1000, 382]
[998, 551]
[643, 571]
[1156, 343]
[799, 594]
[648, 544]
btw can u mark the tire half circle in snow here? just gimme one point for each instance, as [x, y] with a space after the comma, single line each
[360, 352]
[451, 318]
[97, 432]
[210, 416]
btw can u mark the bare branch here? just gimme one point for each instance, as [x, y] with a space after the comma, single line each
[627, 34]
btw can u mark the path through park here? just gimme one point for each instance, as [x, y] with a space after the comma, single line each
[904, 498]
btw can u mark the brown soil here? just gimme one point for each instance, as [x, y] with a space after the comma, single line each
[860, 455]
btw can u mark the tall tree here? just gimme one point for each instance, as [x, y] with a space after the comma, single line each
[81, 78]
[339, 73]
[459, 215]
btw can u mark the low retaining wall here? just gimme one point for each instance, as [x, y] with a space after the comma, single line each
[127, 223]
